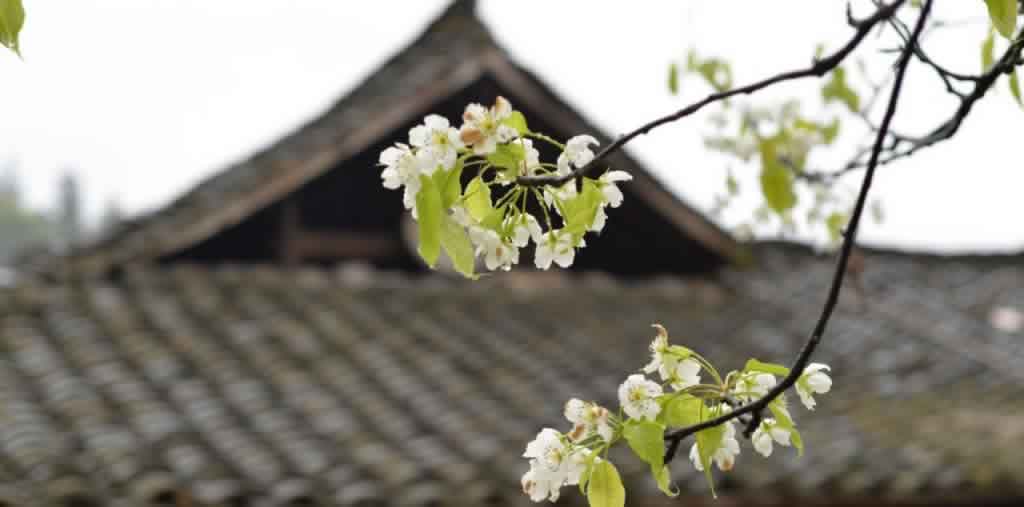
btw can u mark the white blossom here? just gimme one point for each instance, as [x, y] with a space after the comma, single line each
[483, 129]
[400, 166]
[438, 143]
[587, 419]
[725, 456]
[685, 374]
[525, 229]
[813, 381]
[767, 432]
[496, 253]
[554, 246]
[553, 463]
[638, 397]
[752, 385]
[659, 350]
[612, 194]
[577, 152]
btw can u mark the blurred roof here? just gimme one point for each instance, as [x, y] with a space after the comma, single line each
[349, 386]
[453, 52]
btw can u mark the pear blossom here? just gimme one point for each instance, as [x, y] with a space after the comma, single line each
[814, 380]
[437, 142]
[400, 166]
[725, 456]
[679, 373]
[577, 152]
[483, 129]
[767, 432]
[526, 228]
[638, 397]
[493, 248]
[612, 194]
[553, 463]
[587, 419]
[554, 246]
[752, 385]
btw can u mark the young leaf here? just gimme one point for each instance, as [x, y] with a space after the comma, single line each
[605, 486]
[673, 79]
[683, 410]
[776, 180]
[1004, 16]
[987, 51]
[455, 241]
[647, 439]
[517, 121]
[429, 212]
[664, 479]
[449, 183]
[12, 18]
[581, 210]
[708, 442]
[837, 89]
[478, 199]
[507, 156]
[835, 223]
[1015, 87]
[774, 369]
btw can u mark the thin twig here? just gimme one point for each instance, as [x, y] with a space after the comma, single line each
[817, 69]
[756, 407]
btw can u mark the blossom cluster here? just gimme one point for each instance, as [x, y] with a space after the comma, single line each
[492, 217]
[676, 389]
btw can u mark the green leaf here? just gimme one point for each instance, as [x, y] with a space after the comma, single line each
[456, 243]
[987, 51]
[776, 180]
[836, 89]
[450, 184]
[1004, 16]
[517, 121]
[429, 213]
[605, 486]
[494, 218]
[1015, 87]
[507, 156]
[664, 479]
[835, 223]
[708, 442]
[478, 199]
[647, 439]
[12, 18]
[580, 211]
[683, 410]
[673, 79]
[774, 369]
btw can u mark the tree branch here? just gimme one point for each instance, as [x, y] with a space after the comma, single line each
[818, 69]
[756, 408]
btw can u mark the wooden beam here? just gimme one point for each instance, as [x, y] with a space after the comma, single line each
[329, 245]
[288, 232]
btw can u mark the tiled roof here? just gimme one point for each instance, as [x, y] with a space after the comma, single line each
[233, 385]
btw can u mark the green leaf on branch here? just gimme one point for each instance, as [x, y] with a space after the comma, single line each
[507, 156]
[663, 477]
[647, 439]
[456, 243]
[835, 223]
[580, 211]
[12, 19]
[715, 71]
[774, 369]
[1003, 14]
[429, 214]
[478, 199]
[836, 89]
[776, 180]
[784, 421]
[1015, 87]
[517, 121]
[708, 442]
[604, 489]
[988, 51]
[673, 79]
[683, 410]
[449, 184]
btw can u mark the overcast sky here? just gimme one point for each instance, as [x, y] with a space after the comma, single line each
[144, 98]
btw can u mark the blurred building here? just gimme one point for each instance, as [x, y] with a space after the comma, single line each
[270, 338]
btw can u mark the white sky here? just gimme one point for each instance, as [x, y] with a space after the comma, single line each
[146, 97]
